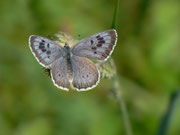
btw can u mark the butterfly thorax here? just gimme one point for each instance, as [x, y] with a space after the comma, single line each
[67, 57]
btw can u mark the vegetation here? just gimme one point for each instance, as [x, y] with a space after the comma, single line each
[147, 61]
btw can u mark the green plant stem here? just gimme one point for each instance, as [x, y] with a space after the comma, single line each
[117, 94]
[116, 89]
[113, 26]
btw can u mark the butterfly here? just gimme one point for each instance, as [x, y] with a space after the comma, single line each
[70, 62]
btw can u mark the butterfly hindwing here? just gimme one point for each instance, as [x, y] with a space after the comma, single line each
[85, 74]
[59, 74]
[99, 46]
[44, 50]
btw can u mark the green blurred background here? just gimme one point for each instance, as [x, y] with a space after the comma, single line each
[147, 58]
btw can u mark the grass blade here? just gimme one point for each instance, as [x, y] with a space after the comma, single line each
[113, 26]
[163, 128]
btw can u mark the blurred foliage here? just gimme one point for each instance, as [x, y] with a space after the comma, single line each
[147, 59]
[107, 69]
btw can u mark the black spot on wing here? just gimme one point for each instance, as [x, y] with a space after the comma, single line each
[48, 45]
[92, 42]
[41, 43]
[48, 52]
[98, 36]
[43, 50]
[99, 45]
[102, 41]
[101, 38]
[41, 47]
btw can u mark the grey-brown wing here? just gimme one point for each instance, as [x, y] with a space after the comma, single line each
[44, 50]
[59, 74]
[99, 46]
[85, 74]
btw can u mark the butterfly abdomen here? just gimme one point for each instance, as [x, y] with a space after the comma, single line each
[68, 61]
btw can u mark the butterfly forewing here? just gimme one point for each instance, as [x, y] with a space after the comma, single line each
[44, 50]
[99, 46]
[85, 74]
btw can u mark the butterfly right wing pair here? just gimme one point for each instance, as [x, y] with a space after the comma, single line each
[99, 47]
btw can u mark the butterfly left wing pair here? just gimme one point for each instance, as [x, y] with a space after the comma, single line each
[50, 55]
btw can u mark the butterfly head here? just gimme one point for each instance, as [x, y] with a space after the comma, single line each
[66, 48]
[66, 45]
